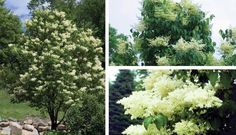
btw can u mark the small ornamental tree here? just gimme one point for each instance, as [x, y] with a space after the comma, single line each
[60, 62]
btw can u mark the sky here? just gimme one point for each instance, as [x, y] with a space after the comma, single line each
[124, 14]
[112, 73]
[19, 8]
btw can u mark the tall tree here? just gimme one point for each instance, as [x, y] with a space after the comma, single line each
[60, 63]
[10, 31]
[122, 87]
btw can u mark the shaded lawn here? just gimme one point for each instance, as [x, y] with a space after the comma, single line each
[15, 110]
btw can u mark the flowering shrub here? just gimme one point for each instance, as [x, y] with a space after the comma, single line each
[61, 62]
[173, 105]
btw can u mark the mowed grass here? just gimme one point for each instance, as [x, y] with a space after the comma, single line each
[15, 110]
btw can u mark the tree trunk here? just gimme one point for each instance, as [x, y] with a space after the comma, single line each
[54, 125]
[53, 121]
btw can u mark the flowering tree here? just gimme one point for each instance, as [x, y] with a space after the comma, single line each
[60, 62]
[165, 24]
[184, 102]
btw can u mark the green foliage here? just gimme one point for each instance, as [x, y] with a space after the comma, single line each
[57, 133]
[213, 77]
[159, 120]
[88, 118]
[10, 31]
[227, 48]
[172, 21]
[140, 75]
[121, 52]
[10, 28]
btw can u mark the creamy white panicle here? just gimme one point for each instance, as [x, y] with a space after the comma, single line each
[166, 94]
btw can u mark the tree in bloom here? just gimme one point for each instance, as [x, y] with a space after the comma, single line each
[176, 103]
[61, 63]
[165, 24]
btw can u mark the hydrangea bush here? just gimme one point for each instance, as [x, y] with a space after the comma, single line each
[173, 105]
[61, 62]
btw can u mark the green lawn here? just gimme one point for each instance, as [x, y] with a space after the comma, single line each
[17, 110]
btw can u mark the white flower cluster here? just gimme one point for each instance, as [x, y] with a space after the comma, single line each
[184, 46]
[122, 47]
[166, 94]
[140, 130]
[227, 48]
[163, 61]
[135, 130]
[166, 10]
[190, 127]
[159, 41]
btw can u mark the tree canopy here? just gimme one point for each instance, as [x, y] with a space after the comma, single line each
[60, 63]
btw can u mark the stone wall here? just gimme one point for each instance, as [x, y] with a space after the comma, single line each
[28, 126]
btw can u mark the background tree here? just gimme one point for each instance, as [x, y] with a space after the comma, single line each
[61, 63]
[165, 23]
[122, 87]
[121, 51]
[228, 46]
[10, 31]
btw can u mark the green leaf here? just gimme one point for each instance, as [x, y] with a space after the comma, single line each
[225, 79]
[160, 121]
[213, 76]
[147, 121]
[233, 73]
